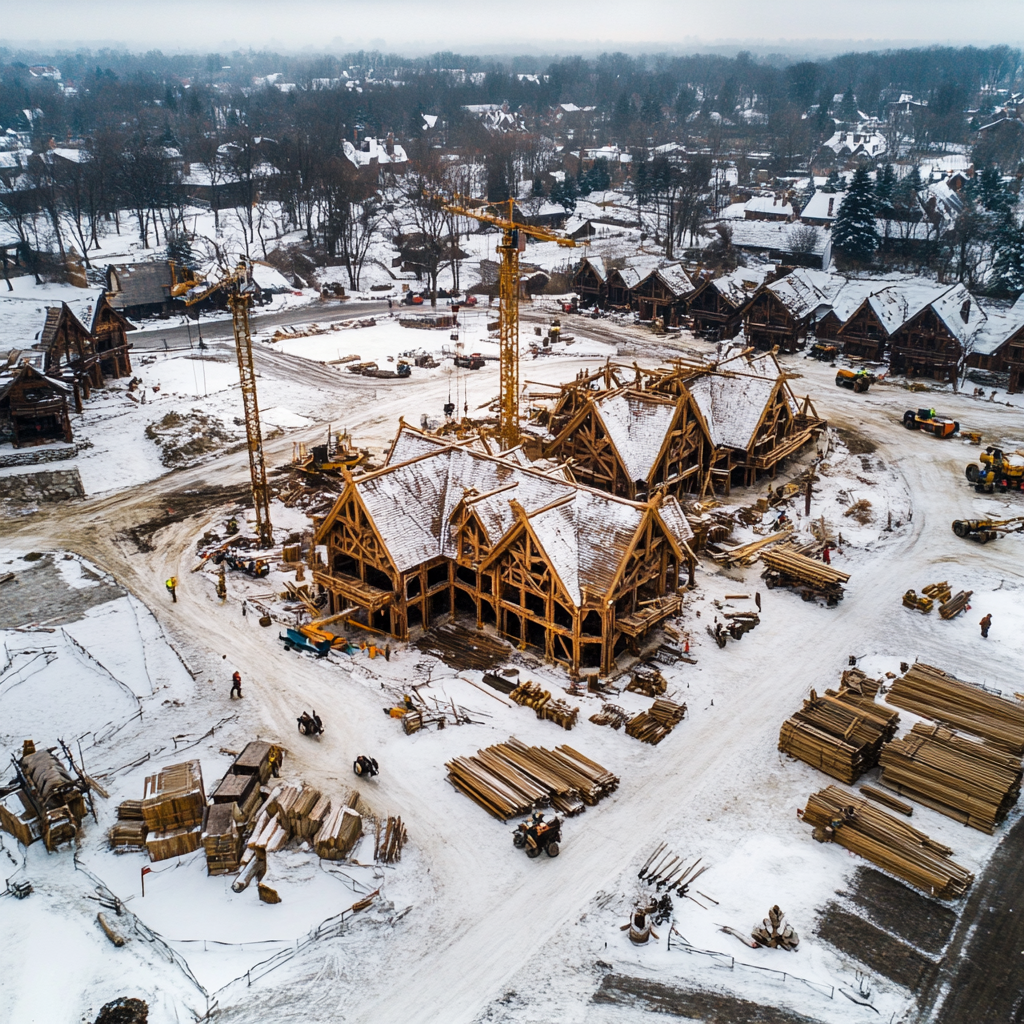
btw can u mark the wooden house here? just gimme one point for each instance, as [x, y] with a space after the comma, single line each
[33, 408]
[782, 311]
[716, 306]
[624, 275]
[663, 293]
[931, 342]
[591, 281]
[441, 530]
[754, 421]
[635, 444]
[141, 289]
[999, 346]
[109, 331]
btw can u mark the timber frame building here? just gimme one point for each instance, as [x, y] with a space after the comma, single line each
[443, 530]
[716, 305]
[782, 311]
[933, 340]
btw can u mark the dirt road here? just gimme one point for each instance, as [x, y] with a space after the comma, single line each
[493, 914]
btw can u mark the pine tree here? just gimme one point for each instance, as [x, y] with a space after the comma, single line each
[885, 190]
[833, 183]
[848, 107]
[854, 234]
[1008, 264]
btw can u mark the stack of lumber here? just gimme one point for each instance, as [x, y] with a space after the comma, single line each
[126, 836]
[174, 798]
[270, 832]
[611, 714]
[258, 758]
[338, 835]
[222, 840]
[130, 810]
[968, 780]
[806, 570]
[891, 844]
[840, 733]
[648, 681]
[305, 811]
[653, 725]
[927, 691]
[746, 554]
[512, 778]
[504, 682]
[955, 605]
[916, 602]
[389, 840]
[174, 842]
[937, 591]
[530, 695]
[243, 790]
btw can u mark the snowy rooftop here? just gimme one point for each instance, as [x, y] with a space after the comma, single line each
[766, 234]
[741, 284]
[823, 205]
[772, 205]
[637, 426]
[732, 406]
[803, 291]
[21, 322]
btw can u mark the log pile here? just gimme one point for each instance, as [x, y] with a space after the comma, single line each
[971, 781]
[389, 840]
[512, 778]
[955, 605]
[338, 835]
[648, 681]
[611, 714]
[653, 725]
[787, 568]
[530, 695]
[931, 693]
[893, 845]
[840, 733]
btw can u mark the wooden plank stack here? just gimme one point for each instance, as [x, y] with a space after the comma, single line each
[840, 733]
[968, 780]
[611, 714]
[338, 835]
[793, 566]
[389, 840]
[951, 608]
[512, 778]
[653, 725]
[174, 842]
[222, 839]
[931, 693]
[174, 798]
[893, 845]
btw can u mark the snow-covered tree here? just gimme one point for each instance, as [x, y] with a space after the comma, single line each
[854, 234]
[1008, 262]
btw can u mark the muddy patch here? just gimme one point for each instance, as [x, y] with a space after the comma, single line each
[179, 506]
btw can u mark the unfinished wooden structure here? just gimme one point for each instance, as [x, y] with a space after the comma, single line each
[108, 328]
[662, 294]
[33, 408]
[635, 444]
[444, 530]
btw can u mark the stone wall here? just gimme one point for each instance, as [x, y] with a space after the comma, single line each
[48, 453]
[46, 486]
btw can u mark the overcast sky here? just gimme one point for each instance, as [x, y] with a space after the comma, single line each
[492, 26]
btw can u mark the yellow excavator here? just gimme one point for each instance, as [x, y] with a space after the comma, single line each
[984, 530]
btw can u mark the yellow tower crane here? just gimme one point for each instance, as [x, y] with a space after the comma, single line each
[239, 286]
[513, 241]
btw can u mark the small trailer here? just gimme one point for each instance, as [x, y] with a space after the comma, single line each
[806, 576]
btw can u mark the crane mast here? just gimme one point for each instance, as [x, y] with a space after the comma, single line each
[239, 289]
[512, 234]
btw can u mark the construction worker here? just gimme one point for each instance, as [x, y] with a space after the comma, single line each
[986, 624]
[172, 586]
[236, 684]
[825, 556]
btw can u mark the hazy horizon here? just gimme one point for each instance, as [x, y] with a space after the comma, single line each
[552, 27]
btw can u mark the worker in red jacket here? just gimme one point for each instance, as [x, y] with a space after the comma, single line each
[236, 684]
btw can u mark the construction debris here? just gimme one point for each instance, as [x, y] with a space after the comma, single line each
[931, 693]
[774, 934]
[510, 779]
[464, 649]
[531, 695]
[971, 781]
[648, 681]
[611, 714]
[665, 870]
[839, 817]
[840, 733]
[653, 725]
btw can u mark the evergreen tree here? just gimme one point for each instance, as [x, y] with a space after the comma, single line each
[1008, 264]
[854, 234]
[833, 183]
[622, 115]
[885, 190]
[538, 186]
[598, 178]
[565, 193]
[848, 107]
[179, 250]
[686, 103]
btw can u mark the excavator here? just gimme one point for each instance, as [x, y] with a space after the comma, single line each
[984, 530]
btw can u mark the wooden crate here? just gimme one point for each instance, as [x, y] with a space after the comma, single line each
[174, 798]
[235, 789]
[175, 842]
[253, 760]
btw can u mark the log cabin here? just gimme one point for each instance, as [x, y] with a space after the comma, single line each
[663, 293]
[999, 346]
[591, 282]
[782, 311]
[109, 330]
[443, 531]
[716, 306]
[33, 408]
[933, 340]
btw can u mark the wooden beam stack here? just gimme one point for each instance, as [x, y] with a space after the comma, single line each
[340, 831]
[512, 778]
[807, 570]
[222, 840]
[951, 608]
[840, 733]
[931, 693]
[653, 725]
[971, 781]
[893, 845]
[389, 840]
[530, 695]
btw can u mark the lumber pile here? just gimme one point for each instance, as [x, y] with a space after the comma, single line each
[130, 810]
[747, 554]
[968, 780]
[222, 840]
[389, 840]
[127, 836]
[512, 778]
[611, 714]
[893, 845]
[174, 798]
[340, 831]
[931, 693]
[173, 842]
[258, 758]
[840, 733]
[786, 567]
[938, 591]
[654, 724]
[955, 605]
[530, 695]
[648, 681]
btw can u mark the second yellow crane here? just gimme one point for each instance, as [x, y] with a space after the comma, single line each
[513, 242]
